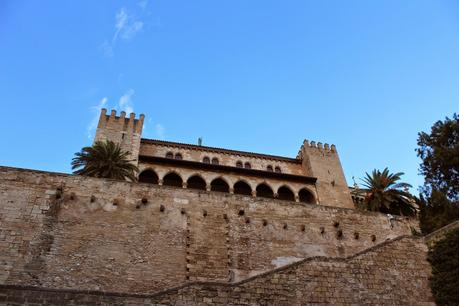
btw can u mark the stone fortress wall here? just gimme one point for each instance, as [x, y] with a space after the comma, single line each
[65, 232]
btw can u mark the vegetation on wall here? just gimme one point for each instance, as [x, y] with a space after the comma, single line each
[384, 192]
[104, 159]
[444, 258]
[439, 151]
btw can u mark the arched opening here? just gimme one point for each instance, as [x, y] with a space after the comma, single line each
[242, 188]
[219, 185]
[215, 161]
[247, 165]
[278, 170]
[148, 176]
[178, 156]
[196, 182]
[169, 155]
[306, 196]
[286, 194]
[269, 168]
[172, 179]
[239, 164]
[264, 191]
[206, 160]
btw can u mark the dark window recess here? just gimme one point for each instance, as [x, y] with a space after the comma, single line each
[219, 185]
[265, 191]
[278, 170]
[178, 156]
[206, 160]
[247, 166]
[242, 188]
[269, 168]
[169, 155]
[172, 179]
[239, 164]
[306, 196]
[196, 182]
[148, 176]
[215, 161]
[284, 193]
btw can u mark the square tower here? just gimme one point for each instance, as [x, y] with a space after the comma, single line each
[126, 132]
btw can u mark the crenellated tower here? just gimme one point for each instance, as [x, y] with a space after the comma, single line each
[122, 130]
[322, 161]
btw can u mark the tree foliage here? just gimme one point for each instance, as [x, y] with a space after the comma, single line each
[104, 160]
[436, 211]
[383, 192]
[444, 259]
[439, 152]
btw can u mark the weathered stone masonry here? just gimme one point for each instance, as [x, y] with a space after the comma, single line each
[65, 232]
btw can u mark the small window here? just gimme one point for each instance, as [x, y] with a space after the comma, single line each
[247, 166]
[206, 160]
[278, 169]
[269, 168]
[178, 156]
[239, 164]
[169, 155]
[215, 161]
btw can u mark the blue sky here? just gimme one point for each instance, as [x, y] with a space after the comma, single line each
[250, 75]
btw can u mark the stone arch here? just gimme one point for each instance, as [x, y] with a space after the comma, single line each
[172, 179]
[285, 193]
[196, 182]
[148, 176]
[219, 184]
[178, 156]
[169, 155]
[264, 191]
[206, 160]
[247, 165]
[306, 196]
[215, 161]
[241, 187]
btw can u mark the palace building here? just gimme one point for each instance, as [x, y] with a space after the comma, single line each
[315, 176]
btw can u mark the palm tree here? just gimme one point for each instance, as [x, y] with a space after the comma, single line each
[384, 193]
[104, 160]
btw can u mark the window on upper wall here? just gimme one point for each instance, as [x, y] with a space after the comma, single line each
[215, 161]
[239, 164]
[206, 160]
[169, 155]
[278, 169]
[178, 156]
[247, 165]
[269, 168]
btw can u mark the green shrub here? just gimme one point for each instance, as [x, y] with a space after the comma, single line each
[444, 258]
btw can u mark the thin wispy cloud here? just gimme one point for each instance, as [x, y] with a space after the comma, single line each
[160, 131]
[95, 111]
[143, 4]
[125, 103]
[126, 27]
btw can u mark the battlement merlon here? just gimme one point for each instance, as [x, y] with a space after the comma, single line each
[121, 130]
[323, 162]
[120, 122]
